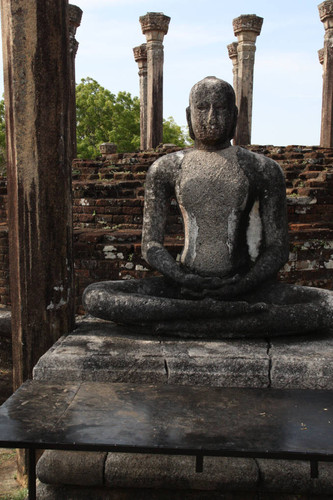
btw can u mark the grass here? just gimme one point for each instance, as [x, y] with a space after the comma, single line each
[6, 456]
[20, 495]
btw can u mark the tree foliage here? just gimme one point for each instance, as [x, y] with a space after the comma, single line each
[105, 117]
[174, 134]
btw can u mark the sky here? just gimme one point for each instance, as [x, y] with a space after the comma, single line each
[287, 73]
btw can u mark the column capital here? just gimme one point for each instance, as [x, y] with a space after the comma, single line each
[140, 52]
[321, 56]
[74, 15]
[249, 23]
[154, 25]
[232, 50]
[326, 13]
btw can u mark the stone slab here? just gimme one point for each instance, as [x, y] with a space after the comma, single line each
[67, 467]
[217, 363]
[102, 351]
[302, 362]
[51, 492]
[177, 473]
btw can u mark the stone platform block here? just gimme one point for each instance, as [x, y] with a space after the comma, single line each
[102, 351]
[303, 362]
[121, 475]
[49, 492]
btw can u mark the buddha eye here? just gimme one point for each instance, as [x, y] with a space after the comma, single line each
[202, 106]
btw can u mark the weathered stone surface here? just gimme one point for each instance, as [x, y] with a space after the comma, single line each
[36, 75]
[326, 16]
[48, 492]
[103, 351]
[140, 56]
[233, 205]
[323, 484]
[302, 362]
[285, 476]
[246, 28]
[74, 21]
[294, 476]
[143, 473]
[68, 467]
[108, 148]
[233, 54]
[178, 472]
[223, 363]
[154, 26]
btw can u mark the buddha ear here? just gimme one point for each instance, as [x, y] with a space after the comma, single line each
[189, 122]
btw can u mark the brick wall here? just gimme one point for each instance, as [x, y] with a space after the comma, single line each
[107, 212]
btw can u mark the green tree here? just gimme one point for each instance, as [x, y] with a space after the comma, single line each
[104, 117]
[174, 134]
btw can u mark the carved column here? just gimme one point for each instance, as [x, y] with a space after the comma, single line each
[326, 16]
[36, 75]
[246, 28]
[233, 54]
[154, 26]
[140, 56]
[74, 17]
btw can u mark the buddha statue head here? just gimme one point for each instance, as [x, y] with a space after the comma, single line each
[212, 113]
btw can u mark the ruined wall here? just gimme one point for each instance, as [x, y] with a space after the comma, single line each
[108, 203]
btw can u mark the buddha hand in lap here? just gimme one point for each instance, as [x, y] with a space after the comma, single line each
[233, 205]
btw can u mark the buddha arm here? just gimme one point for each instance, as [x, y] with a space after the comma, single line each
[160, 182]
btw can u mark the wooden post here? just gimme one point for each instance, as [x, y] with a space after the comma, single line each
[154, 25]
[36, 73]
[326, 16]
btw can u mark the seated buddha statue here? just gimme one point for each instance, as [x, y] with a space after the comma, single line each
[233, 206]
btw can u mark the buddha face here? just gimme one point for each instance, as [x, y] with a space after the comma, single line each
[212, 113]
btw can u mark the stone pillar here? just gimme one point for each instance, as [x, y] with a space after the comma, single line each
[140, 56]
[74, 17]
[326, 16]
[154, 26]
[246, 28]
[36, 75]
[233, 54]
[321, 56]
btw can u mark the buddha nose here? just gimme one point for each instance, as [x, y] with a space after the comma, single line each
[212, 115]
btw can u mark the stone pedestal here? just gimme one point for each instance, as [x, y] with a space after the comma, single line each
[326, 16]
[140, 56]
[74, 15]
[101, 351]
[154, 26]
[246, 28]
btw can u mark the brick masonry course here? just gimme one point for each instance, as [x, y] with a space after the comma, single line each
[107, 216]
